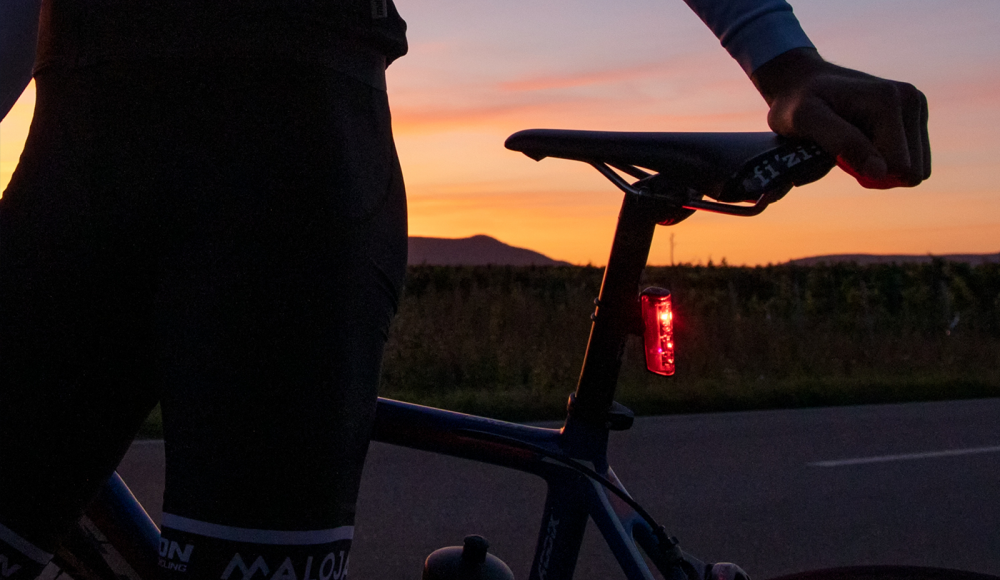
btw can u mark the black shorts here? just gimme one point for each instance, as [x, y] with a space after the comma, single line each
[227, 238]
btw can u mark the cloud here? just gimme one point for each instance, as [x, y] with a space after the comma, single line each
[975, 92]
[589, 78]
[668, 93]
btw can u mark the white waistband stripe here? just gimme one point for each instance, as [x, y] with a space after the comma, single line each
[252, 536]
[24, 546]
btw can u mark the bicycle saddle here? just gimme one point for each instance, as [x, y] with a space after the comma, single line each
[702, 161]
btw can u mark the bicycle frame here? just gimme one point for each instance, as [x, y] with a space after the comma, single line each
[117, 521]
[117, 539]
[572, 498]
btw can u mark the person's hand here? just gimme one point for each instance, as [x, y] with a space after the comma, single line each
[876, 128]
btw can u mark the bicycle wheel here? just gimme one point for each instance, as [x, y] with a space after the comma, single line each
[86, 555]
[887, 573]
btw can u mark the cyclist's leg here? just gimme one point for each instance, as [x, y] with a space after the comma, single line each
[278, 283]
[75, 295]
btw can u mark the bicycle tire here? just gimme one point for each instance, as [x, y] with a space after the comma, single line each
[886, 573]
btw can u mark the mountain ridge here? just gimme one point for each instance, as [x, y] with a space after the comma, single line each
[478, 250]
[865, 259]
[482, 250]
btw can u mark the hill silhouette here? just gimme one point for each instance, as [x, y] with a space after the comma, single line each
[863, 259]
[474, 251]
[482, 250]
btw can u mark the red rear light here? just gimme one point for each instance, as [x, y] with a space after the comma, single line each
[658, 318]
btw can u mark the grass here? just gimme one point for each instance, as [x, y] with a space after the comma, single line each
[508, 342]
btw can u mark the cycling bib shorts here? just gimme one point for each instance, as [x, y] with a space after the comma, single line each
[225, 237]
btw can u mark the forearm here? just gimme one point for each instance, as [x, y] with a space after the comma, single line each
[752, 31]
[18, 36]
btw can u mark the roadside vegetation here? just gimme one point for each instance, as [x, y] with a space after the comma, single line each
[508, 342]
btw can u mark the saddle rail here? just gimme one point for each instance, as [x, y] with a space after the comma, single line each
[730, 168]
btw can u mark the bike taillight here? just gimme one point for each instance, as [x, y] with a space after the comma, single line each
[658, 319]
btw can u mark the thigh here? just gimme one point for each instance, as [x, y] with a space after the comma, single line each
[278, 282]
[75, 319]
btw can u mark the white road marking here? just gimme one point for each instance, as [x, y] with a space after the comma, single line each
[905, 457]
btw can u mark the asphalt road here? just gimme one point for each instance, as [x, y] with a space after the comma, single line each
[775, 491]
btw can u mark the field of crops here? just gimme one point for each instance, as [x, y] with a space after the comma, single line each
[509, 341]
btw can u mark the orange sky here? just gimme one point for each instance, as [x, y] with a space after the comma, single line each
[479, 70]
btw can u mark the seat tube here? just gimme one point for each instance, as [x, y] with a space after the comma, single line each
[617, 311]
[561, 535]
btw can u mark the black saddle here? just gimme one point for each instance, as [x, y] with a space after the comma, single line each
[711, 163]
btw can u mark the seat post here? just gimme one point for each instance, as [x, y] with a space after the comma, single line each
[617, 314]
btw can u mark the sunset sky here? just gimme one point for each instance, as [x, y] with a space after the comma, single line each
[479, 70]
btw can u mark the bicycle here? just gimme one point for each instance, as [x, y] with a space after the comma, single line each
[674, 172]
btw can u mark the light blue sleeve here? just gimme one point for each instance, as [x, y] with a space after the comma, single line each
[752, 31]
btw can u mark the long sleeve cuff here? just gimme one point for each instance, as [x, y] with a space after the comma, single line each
[752, 31]
[765, 38]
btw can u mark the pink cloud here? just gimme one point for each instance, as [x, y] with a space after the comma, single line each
[586, 78]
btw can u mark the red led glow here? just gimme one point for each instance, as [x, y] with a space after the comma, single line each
[658, 319]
